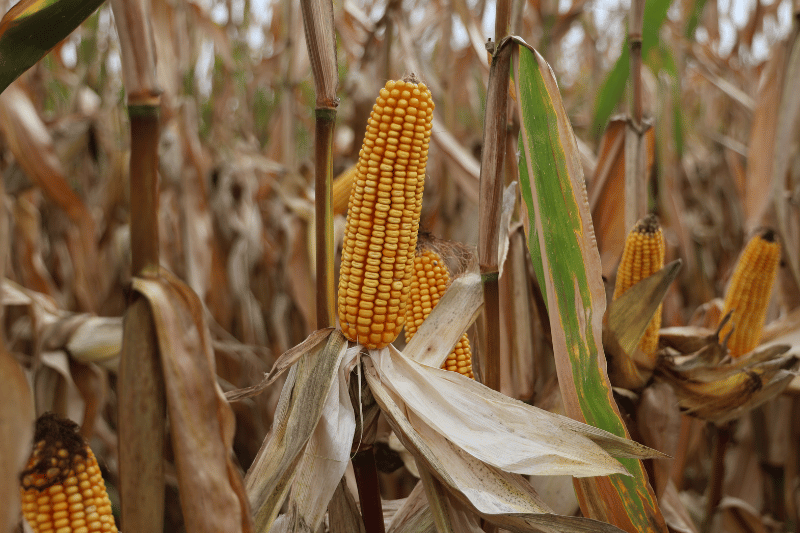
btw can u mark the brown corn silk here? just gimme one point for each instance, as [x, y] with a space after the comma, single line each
[383, 215]
[642, 257]
[749, 292]
[62, 488]
[428, 284]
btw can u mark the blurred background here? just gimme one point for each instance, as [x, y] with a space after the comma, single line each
[237, 171]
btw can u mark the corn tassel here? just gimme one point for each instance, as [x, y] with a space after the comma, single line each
[62, 488]
[642, 257]
[383, 215]
[749, 292]
[431, 278]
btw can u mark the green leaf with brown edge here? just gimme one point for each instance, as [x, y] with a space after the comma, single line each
[32, 28]
[566, 260]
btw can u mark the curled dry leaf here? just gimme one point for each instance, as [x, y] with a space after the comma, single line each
[723, 392]
[213, 498]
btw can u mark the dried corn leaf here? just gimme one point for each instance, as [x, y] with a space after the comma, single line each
[96, 340]
[738, 516]
[760, 156]
[301, 404]
[519, 328]
[213, 497]
[470, 168]
[659, 424]
[282, 364]
[437, 503]
[443, 328]
[628, 318]
[142, 428]
[414, 515]
[675, 512]
[783, 150]
[503, 498]
[343, 513]
[32, 146]
[327, 453]
[723, 393]
[498, 430]
[16, 434]
[53, 387]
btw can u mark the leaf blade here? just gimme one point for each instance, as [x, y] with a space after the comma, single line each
[567, 262]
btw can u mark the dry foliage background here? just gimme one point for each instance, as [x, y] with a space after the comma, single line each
[237, 192]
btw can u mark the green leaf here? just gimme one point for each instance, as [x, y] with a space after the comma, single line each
[567, 263]
[694, 18]
[613, 87]
[32, 28]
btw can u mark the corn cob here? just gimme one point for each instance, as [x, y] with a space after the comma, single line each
[642, 257]
[749, 291]
[62, 489]
[431, 278]
[342, 186]
[383, 215]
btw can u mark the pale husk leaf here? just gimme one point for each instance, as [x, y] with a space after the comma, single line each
[499, 430]
[299, 409]
[414, 515]
[327, 453]
[505, 499]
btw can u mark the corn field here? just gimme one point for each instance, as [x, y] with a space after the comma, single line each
[218, 216]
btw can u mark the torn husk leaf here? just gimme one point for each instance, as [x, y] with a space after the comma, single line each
[299, 409]
[502, 498]
[499, 430]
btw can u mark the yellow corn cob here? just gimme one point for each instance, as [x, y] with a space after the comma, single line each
[62, 489]
[749, 291]
[383, 215]
[342, 186]
[428, 283]
[642, 257]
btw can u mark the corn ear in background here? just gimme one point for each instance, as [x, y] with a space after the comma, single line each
[748, 293]
[62, 488]
[341, 188]
[642, 257]
[428, 283]
[383, 215]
